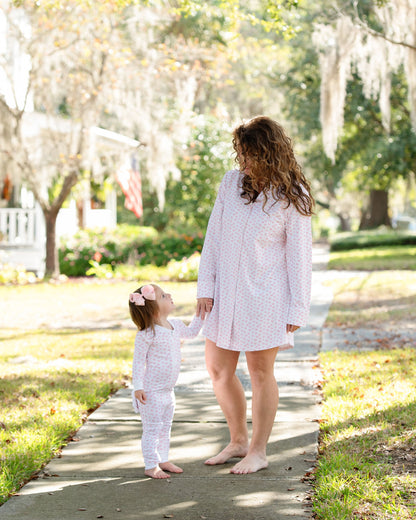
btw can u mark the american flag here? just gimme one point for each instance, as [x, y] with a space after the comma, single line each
[128, 176]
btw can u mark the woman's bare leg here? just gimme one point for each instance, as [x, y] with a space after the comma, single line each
[221, 365]
[264, 406]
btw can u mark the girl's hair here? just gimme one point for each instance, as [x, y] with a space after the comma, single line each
[263, 147]
[144, 316]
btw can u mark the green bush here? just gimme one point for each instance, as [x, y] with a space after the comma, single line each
[104, 246]
[367, 239]
[89, 249]
[186, 270]
[140, 273]
[171, 246]
[16, 275]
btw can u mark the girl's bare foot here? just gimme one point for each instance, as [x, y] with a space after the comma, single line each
[168, 466]
[156, 473]
[250, 464]
[230, 451]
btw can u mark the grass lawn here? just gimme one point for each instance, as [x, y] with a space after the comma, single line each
[367, 463]
[86, 300]
[375, 299]
[377, 258]
[53, 376]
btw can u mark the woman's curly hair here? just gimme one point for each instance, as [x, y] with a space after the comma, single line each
[265, 151]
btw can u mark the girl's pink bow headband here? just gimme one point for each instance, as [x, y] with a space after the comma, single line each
[148, 293]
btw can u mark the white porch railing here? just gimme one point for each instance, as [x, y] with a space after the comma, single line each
[22, 238]
[20, 227]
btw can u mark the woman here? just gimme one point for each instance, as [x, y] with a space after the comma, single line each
[254, 281]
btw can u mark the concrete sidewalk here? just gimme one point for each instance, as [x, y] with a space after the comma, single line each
[100, 473]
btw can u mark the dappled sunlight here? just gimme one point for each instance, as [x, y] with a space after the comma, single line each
[51, 486]
[258, 499]
[180, 506]
[384, 299]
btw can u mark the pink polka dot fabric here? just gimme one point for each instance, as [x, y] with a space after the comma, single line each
[256, 264]
[157, 416]
[156, 365]
[157, 356]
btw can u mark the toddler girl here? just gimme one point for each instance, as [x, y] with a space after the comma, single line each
[156, 364]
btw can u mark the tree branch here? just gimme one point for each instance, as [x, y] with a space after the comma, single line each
[377, 34]
[69, 182]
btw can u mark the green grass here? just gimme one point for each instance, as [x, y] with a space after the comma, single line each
[367, 458]
[45, 400]
[373, 300]
[374, 258]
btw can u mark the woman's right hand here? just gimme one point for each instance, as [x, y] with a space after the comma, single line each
[140, 396]
[204, 306]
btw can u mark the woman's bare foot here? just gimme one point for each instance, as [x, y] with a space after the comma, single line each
[168, 466]
[250, 464]
[230, 451]
[156, 472]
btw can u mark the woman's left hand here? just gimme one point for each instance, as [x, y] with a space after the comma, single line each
[291, 328]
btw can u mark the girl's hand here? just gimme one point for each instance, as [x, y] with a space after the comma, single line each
[291, 328]
[140, 396]
[204, 306]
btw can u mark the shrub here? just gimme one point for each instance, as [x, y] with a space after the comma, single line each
[171, 246]
[89, 249]
[140, 273]
[102, 245]
[16, 275]
[186, 270]
[367, 239]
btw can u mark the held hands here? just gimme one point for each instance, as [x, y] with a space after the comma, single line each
[140, 396]
[204, 306]
[291, 328]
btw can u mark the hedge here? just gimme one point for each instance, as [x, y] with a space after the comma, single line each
[126, 244]
[367, 239]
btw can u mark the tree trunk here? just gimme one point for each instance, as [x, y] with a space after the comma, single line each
[378, 211]
[52, 261]
[80, 213]
[344, 222]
